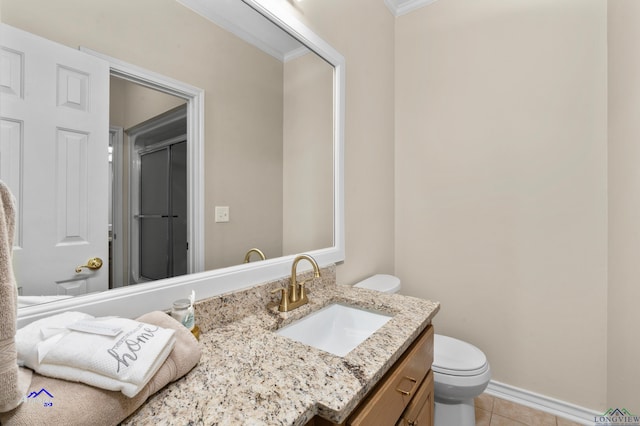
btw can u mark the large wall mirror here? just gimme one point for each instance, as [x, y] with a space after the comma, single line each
[246, 140]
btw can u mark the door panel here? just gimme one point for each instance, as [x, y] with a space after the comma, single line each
[154, 214]
[53, 152]
[70, 189]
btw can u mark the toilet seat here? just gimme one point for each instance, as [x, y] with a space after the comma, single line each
[457, 358]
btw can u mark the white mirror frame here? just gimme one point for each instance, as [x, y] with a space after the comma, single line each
[137, 299]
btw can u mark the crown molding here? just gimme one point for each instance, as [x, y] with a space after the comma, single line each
[402, 7]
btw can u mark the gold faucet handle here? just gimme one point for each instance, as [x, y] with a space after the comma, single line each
[284, 300]
[303, 290]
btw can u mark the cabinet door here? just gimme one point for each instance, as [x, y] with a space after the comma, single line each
[419, 412]
[389, 399]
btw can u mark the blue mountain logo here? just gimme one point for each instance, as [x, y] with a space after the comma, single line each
[37, 394]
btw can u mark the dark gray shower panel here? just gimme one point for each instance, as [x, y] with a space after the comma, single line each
[163, 212]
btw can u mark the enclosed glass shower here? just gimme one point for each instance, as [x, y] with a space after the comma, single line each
[163, 211]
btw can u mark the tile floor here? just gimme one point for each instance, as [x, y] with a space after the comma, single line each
[492, 411]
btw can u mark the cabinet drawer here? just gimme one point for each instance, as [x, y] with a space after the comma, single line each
[420, 409]
[386, 403]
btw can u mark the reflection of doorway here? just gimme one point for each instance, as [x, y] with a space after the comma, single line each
[153, 120]
[192, 101]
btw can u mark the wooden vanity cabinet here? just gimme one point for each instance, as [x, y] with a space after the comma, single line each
[404, 396]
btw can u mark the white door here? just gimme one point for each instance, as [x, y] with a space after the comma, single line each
[54, 113]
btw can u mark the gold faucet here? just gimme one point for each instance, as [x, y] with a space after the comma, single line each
[296, 296]
[254, 250]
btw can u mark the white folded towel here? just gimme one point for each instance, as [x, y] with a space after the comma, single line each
[122, 362]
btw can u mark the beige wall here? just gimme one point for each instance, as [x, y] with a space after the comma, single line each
[501, 184]
[624, 205]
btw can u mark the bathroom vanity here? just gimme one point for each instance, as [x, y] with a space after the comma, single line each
[248, 374]
[404, 396]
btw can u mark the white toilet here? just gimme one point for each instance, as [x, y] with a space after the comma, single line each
[460, 370]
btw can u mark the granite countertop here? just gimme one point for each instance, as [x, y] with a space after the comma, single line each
[249, 375]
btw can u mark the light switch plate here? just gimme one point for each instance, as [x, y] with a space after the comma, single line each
[222, 214]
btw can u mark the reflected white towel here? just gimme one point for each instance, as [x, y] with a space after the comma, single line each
[125, 362]
[14, 382]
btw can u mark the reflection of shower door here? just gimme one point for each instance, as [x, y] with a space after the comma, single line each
[163, 212]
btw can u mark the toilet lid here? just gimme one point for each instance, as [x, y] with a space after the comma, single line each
[457, 358]
[381, 282]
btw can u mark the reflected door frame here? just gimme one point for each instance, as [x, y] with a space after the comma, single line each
[194, 98]
[116, 240]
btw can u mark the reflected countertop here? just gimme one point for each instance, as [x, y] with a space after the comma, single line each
[250, 375]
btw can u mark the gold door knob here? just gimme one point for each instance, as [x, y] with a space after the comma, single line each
[93, 263]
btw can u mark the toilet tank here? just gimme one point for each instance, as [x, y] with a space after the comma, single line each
[381, 282]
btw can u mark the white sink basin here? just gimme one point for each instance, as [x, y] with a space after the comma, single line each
[336, 328]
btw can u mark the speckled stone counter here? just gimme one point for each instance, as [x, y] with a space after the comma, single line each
[248, 375]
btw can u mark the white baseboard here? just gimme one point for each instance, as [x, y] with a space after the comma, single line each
[553, 406]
